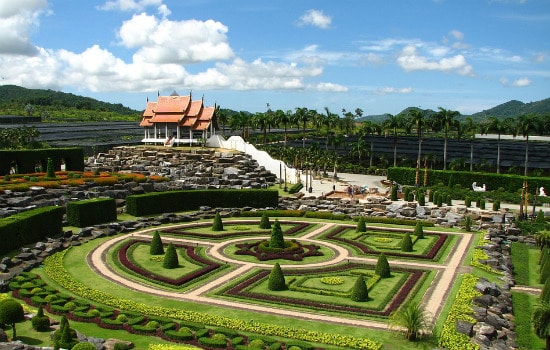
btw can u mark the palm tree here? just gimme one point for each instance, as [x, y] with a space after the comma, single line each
[240, 121]
[541, 323]
[413, 319]
[370, 128]
[283, 118]
[469, 126]
[261, 120]
[417, 120]
[329, 121]
[498, 126]
[392, 123]
[446, 120]
[301, 117]
[527, 124]
[358, 149]
[221, 115]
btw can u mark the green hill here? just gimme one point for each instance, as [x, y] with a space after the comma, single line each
[49, 104]
[515, 108]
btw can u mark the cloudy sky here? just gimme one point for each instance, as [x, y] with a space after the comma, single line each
[380, 56]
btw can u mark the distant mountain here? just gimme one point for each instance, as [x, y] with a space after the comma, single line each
[14, 98]
[515, 108]
[512, 108]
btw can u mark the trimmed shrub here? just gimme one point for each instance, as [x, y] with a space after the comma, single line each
[264, 222]
[545, 293]
[406, 243]
[468, 201]
[91, 212]
[360, 291]
[382, 267]
[421, 197]
[449, 200]
[482, 204]
[156, 247]
[171, 257]
[277, 239]
[40, 322]
[496, 205]
[418, 230]
[49, 169]
[544, 272]
[277, 279]
[361, 226]
[540, 217]
[393, 194]
[217, 225]
[121, 346]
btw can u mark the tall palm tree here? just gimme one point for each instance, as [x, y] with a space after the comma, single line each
[417, 121]
[283, 118]
[499, 127]
[392, 123]
[527, 124]
[301, 117]
[242, 121]
[370, 128]
[329, 121]
[261, 120]
[446, 120]
[470, 127]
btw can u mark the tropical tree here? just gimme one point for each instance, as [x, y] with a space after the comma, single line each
[330, 121]
[301, 117]
[445, 119]
[221, 115]
[470, 127]
[498, 126]
[392, 123]
[417, 121]
[413, 319]
[261, 121]
[283, 118]
[527, 125]
[240, 121]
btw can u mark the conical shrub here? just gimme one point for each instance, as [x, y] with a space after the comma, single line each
[394, 193]
[360, 291]
[277, 279]
[361, 225]
[156, 247]
[277, 239]
[406, 243]
[217, 225]
[418, 230]
[170, 258]
[264, 222]
[383, 267]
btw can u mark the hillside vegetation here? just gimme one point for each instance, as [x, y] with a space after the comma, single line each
[514, 108]
[55, 106]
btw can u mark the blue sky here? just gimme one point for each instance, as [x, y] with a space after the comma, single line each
[380, 56]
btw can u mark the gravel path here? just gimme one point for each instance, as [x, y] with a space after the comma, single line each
[433, 300]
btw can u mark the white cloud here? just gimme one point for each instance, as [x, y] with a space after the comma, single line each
[17, 20]
[457, 35]
[539, 58]
[315, 18]
[330, 87]
[521, 82]
[410, 60]
[129, 5]
[165, 41]
[393, 90]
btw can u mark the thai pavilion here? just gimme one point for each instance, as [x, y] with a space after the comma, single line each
[175, 119]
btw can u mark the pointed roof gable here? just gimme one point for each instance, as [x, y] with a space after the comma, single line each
[172, 104]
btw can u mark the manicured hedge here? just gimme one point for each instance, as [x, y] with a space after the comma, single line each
[29, 227]
[175, 201]
[91, 212]
[510, 183]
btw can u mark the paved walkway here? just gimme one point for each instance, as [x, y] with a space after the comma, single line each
[433, 300]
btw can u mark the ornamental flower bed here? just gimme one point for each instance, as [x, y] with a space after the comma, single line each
[209, 266]
[297, 252]
[241, 290]
[442, 238]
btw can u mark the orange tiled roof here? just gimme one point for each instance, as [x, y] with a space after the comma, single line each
[167, 118]
[195, 108]
[146, 121]
[150, 109]
[172, 104]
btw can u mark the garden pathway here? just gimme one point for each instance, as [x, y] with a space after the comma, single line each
[433, 300]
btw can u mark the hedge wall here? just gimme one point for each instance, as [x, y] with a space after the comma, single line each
[91, 212]
[26, 160]
[175, 201]
[29, 227]
[493, 181]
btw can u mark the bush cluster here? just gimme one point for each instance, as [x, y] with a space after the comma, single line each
[91, 212]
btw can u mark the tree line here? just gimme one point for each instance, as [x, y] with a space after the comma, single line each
[357, 137]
